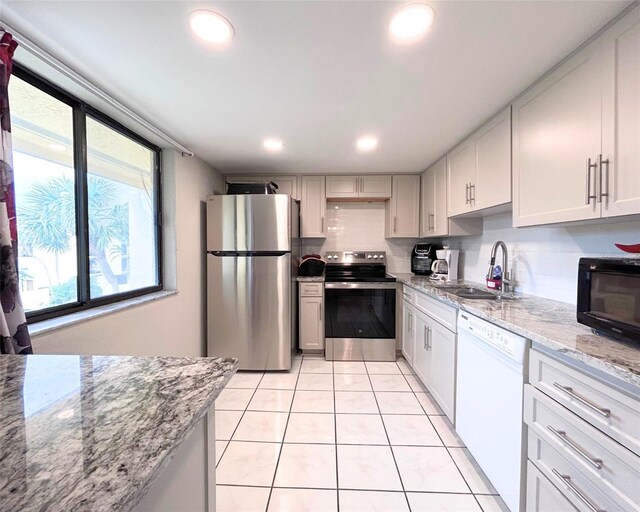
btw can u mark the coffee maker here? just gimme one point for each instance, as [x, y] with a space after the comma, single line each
[422, 258]
[445, 268]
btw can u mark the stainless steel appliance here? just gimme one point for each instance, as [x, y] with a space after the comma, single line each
[422, 257]
[252, 261]
[609, 296]
[360, 307]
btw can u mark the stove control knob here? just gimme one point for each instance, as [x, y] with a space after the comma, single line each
[368, 256]
[381, 256]
[375, 256]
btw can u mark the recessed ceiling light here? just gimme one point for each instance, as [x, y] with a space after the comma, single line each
[273, 145]
[211, 26]
[367, 143]
[410, 23]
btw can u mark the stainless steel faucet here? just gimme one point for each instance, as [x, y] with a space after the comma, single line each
[506, 279]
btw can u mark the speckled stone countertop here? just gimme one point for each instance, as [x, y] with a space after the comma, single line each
[311, 279]
[89, 433]
[549, 324]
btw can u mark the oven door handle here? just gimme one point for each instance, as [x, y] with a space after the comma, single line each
[361, 286]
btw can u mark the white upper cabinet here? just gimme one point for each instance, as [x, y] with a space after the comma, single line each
[433, 206]
[286, 184]
[479, 169]
[313, 205]
[621, 115]
[358, 187]
[492, 185]
[557, 132]
[403, 209]
[576, 151]
[375, 187]
[340, 187]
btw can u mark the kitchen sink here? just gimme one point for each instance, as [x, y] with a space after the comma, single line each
[474, 293]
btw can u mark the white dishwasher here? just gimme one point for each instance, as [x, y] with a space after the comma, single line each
[492, 370]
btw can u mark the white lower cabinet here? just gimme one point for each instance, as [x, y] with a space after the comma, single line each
[311, 305]
[408, 330]
[542, 496]
[433, 354]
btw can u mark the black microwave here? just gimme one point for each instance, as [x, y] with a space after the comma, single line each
[609, 296]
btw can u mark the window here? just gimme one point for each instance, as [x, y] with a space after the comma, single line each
[87, 200]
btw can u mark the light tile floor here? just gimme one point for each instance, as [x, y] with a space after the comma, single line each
[343, 436]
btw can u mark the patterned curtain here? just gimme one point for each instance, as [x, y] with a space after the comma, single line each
[14, 334]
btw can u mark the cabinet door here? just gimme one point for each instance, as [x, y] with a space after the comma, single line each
[311, 323]
[286, 185]
[375, 187]
[542, 495]
[440, 221]
[441, 343]
[427, 202]
[313, 205]
[557, 126]
[408, 330]
[620, 179]
[403, 210]
[461, 172]
[421, 355]
[342, 187]
[492, 184]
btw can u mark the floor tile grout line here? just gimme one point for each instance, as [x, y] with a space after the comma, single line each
[386, 433]
[237, 425]
[284, 435]
[335, 432]
[448, 493]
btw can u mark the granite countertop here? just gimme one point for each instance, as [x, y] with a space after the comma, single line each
[89, 433]
[551, 325]
[311, 279]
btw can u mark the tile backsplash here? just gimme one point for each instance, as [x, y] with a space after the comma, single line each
[543, 260]
[360, 226]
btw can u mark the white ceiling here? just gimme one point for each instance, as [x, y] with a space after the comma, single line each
[318, 74]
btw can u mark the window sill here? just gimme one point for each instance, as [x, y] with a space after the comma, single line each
[61, 322]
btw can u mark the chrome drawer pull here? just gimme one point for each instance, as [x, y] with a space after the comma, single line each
[567, 480]
[569, 391]
[562, 435]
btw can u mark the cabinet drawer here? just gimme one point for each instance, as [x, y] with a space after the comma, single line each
[542, 495]
[408, 294]
[588, 398]
[311, 289]
[579, 486]
[440, 312]
[603, 461]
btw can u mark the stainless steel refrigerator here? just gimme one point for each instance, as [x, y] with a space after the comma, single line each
[252, 261]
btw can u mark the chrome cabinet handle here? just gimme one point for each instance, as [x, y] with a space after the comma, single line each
[472, 197]
[466, 194]
[322, 227]
[588, 197]
[395, 224]
[428, 338]
[410, 319]
[602, 162]
[569, 391]
[562, 435]
[567, 480]
[432, 226]
[320, 310]
[425, 338]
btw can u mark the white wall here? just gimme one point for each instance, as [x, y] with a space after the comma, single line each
[360, 226]
[544, 259]
[170, 326]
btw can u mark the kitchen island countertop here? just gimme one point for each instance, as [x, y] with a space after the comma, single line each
[550, 325]
[93, 432]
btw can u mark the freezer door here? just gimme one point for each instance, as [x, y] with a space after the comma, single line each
[249, 222]
[249, 310]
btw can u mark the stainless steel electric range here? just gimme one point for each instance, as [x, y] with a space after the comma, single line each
[360, 307]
